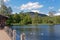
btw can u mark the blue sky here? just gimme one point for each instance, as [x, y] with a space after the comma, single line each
[43, 6]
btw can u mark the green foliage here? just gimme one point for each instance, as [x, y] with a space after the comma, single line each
[10, 20]
[36, 19]
[45, 20]
[16, 18]
[5, 10]
[57, 19]
[26, 18]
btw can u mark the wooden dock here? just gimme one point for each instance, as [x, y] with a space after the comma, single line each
[4, 35]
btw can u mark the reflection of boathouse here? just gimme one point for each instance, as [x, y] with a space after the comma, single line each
[3, 21]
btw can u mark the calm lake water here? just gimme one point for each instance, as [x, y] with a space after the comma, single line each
[39, 32]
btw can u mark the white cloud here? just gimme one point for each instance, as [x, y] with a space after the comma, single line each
[59, 10]
[57, 14]
[6, 0]
[0, 5]
[51, 7]
[30, 6]
[35, 11]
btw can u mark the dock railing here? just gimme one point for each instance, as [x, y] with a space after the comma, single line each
[9, 31]
[12, 34]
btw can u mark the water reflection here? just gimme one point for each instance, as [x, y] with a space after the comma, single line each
[51, 32]
[39, 32]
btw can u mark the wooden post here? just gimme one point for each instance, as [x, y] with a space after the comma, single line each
[22, 36]
[14, 35]
[10, 32]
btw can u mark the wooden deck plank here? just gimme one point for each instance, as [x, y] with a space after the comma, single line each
[4, 35]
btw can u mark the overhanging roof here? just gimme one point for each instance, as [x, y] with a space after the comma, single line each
[4, 16]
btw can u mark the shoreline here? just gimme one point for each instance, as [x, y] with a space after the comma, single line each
[33, 24]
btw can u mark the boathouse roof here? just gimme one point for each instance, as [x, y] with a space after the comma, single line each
[3, 16]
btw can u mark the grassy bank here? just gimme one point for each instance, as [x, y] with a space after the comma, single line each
[17, 24]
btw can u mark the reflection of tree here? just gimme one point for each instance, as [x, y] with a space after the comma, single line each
[51, 32]
[35, 33]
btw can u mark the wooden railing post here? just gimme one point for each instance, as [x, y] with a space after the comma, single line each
[8, 31]
[22, 36]
[14, 35]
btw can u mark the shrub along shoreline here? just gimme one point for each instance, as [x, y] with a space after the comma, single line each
[27, 19]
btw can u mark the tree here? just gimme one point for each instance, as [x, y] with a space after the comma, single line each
[22, 15]
[51, 13]
[5, 10]
[16, 18]
[9, 9]
[36, 19]
[26, 20]
[57, 19]
[10, 20]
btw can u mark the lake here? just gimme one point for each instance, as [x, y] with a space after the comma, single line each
[38, 32]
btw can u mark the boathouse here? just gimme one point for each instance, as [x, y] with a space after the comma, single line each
[3, 21]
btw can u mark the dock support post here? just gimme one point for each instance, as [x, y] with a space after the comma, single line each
[22, 36]
[14, 35]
